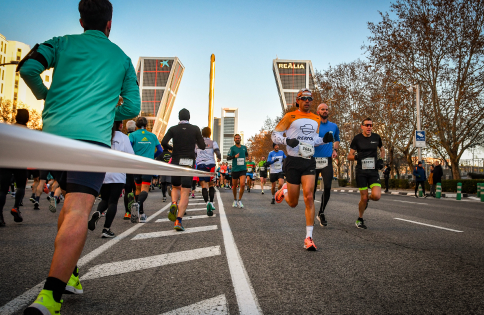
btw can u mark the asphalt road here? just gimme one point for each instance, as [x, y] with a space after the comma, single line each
[252, 260]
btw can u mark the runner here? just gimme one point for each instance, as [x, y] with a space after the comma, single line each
[217, 183]
[250, 165]
[206, 162]
[262, 173]
[223, 173]
[144, 144]
[238, 154]
[324, 155]
[228, 176]
[130, 186]
[364, 150]
[185, 136]
[112, 185]
[275, 160]
[165, 181]
[77, 108]
[35, 175]
[301, 128]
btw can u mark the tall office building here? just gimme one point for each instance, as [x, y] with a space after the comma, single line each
[229, 126]
[159, 79]
[216, 130]
[12, 86]
[291, 76]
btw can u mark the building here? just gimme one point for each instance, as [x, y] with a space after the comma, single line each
[12, 86]
[291, 76]
[159, 79]
[229, 127]
[216, 130]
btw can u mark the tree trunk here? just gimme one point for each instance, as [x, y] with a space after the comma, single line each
[455, 167]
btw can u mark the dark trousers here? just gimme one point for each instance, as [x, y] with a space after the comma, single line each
[110, 195]
[387, 179]
[420, 182]
[20, 176]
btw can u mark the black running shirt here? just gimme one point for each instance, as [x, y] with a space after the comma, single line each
[184, 136]
[366, 147]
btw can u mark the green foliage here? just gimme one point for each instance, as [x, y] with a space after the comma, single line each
[343, 182]
[469, 186]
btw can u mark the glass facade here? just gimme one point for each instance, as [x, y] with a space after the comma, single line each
[292, 76]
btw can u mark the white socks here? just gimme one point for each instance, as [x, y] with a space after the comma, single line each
[309, 231]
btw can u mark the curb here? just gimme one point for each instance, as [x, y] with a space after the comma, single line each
[444, 195]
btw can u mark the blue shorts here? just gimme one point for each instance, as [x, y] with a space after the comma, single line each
[206, 168]
[251, 175]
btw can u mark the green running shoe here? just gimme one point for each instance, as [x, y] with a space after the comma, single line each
[74, 285]
[173, 211]
[44, 304]
[210, 209]
[130, 199]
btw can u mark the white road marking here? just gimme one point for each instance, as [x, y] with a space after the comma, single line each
[474, 198]
[216, 306]
[244, 292]
[190, 217]
[120, 267]
[192, 204]
[196, 209]
[435, 226]
[417, 203]
[143, 236]
[27, 297]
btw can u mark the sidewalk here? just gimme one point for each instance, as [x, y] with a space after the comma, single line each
[403, 192]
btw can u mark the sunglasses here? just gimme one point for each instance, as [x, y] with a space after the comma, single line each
[368, 125]
[306, 98]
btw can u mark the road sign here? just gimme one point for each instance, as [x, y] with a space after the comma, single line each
[420, 139]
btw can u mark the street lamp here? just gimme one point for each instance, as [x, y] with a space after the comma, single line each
[410, 89]
[9, 63]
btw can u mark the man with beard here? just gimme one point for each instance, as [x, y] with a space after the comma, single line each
[238, 154]
[275, 160]
[324, 155]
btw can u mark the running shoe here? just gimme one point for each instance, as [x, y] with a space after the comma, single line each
[103, 214]
[48, 197]
[173, 212]
[309, 244]
[142, 218]
[280, 193]
[74, 285]
[262, 192]
[179, 226]
[360, 224]
[107, 234]
[193, 195]
[127, 216]
[234, 205]
[134, 212]
[44, 305]
[17, 217]
[32, 198]
[91, 225]
[53, 204]
[36, 205]
[210, 209]
[273, 202]
[46, 189]
[164, 199]
[322, 219]
[240, 204]
[13, 194]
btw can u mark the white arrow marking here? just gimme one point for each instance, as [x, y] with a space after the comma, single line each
[143, 236]
[216, 306]
[191, 217]
[120, 267]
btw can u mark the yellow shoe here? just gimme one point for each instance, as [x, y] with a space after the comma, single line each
[44, 304]
[74, 285]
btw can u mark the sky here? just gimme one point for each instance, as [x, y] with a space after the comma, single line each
[245, 37]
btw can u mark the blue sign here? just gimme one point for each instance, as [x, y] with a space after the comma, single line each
[420, 139]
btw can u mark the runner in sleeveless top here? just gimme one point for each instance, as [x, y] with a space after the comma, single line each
[301, 128]
[324, 155]
[112, 185]
[206, 162]
[262, 173]
[275, 160]
[185, 136]
[364, 149]
[238, 154]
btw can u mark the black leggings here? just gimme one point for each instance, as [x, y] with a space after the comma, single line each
[418, 182]
[110, 196]
[128, 187]
[5, 181]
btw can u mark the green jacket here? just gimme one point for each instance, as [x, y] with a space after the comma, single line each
[90, 72]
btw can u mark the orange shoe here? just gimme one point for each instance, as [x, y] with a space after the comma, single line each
[127, 216]
[46, 190]
[16, 215]
[309, 244]
[280, 193]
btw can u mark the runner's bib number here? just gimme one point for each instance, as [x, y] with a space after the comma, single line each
[278, 166]
[368, 163]
[240, 161]
[306, 150]
[249, 170]
[262, 168]
[186, 162]
[321, 162]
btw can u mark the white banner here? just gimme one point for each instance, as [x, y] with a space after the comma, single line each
[25, 148]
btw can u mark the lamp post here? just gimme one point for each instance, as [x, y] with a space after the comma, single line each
[9, 63]
[410, 89]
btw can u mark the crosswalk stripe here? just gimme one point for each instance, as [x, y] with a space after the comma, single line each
[120, 267]
[143, 236]
[196, 209]
[215, 306]
[191, 217]
[192, 204]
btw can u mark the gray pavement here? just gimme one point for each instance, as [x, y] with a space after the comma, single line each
[394, 266]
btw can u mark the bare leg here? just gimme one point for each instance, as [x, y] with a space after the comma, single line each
[183, 204]
[242, 186]
[363, 201]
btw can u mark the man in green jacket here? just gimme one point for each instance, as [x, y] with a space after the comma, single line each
[90, 73]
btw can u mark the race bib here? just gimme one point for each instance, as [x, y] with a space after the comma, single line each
[278, 166]
[368, 163]
[262, 168]
[186, 162]
[240, 161]
[306, 150]
[249, 169]
[321, 162]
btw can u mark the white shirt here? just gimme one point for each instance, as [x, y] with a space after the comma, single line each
[206, 156]
[120, 143]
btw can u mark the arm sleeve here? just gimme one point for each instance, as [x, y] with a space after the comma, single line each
[200, 141]
[336, 134]
[158, 150]
[168, 136]
[128, 147]
[414, 173]
[130, 93]
[278, 133]
[217, 152]
[269, 158]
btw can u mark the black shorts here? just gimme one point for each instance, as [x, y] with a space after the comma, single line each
[236, 175]
[274, 177]
[263, 174]
[228, 177]
[295, 167]
[367, 178]
[326, 174]
[143, 179]
[183, 181]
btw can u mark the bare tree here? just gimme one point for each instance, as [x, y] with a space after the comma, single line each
[8, 112]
